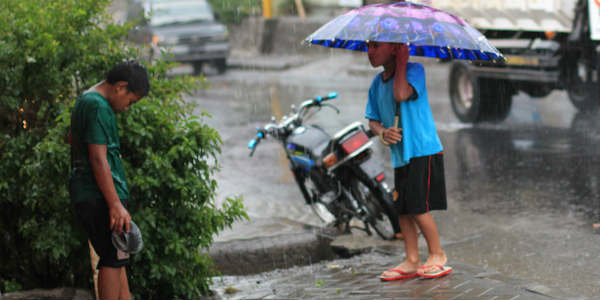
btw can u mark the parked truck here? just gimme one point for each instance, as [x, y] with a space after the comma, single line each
[548, 45]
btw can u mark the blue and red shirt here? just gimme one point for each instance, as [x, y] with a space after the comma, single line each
[419, 134]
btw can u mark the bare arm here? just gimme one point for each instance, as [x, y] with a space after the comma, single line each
[119, 216]
[402, 89]
[391, 135]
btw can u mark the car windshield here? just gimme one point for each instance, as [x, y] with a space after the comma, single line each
[171, 12]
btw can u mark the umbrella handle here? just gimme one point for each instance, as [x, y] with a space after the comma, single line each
[397, 117]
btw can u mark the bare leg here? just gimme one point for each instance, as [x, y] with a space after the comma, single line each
[411, 241]
[124, 292]
[430, 232]
[412, 262]
[109, 283]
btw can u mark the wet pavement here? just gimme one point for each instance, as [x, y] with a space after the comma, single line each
[522, 193]
[357, 278]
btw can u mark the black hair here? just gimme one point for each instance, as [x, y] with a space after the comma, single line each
[133, 73]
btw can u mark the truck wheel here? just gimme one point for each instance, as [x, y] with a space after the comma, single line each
[221, 65]
[496, 99]
[477, 99]
[537, 90]
[582, 90]
[197, 65]
[463, 93]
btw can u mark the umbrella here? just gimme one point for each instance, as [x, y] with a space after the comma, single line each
[426, 31]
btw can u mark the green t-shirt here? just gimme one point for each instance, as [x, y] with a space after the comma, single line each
[93, 122]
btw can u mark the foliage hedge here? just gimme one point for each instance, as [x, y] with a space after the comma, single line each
[50, 51]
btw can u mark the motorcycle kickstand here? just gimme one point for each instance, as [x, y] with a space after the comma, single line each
[347, 228]
[368, 228]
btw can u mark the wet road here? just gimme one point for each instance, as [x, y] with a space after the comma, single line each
[522, 193]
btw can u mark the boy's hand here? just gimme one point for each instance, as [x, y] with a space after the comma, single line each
[402, 55]
[119, 217]
[392, 135]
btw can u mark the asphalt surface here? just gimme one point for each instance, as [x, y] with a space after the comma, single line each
[522, 193]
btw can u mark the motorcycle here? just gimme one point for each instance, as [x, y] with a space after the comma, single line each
[337, 175]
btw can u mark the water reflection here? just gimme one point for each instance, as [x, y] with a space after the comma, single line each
[531, 168]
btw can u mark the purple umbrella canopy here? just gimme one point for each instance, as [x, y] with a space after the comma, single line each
[427, 32]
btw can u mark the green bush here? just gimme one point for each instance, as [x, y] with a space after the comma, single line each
[234, 11]
[50, 51]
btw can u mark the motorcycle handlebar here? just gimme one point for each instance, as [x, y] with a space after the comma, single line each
[271, 128]
[253, 143]
[317, 100]
[328, 97]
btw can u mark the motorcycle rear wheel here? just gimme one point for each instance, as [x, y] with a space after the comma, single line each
[378, 217]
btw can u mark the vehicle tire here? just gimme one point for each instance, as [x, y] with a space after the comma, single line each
[496, 99]
[463, 93]
[476, 99]
[537, 90]
[197, 65]
[221, 65]
[381, 215]
[582, 90]
[310, 193]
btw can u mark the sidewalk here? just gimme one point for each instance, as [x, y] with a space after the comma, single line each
[356, 277]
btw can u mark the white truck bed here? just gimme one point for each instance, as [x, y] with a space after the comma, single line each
[512, 15]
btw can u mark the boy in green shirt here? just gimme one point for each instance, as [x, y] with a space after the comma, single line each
[98, 186]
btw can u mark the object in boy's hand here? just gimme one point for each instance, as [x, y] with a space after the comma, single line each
[129, 242]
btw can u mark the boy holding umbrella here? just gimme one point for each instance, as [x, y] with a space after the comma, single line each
[416, 152]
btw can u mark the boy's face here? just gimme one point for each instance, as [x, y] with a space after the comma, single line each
[380, 53]
[121, 98]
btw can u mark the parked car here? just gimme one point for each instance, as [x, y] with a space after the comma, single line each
[187, 29]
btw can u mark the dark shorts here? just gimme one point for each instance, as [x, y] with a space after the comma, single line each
[94, 216]
[420, 186]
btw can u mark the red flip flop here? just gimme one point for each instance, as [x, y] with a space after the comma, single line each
[403, 275]
[442, 270]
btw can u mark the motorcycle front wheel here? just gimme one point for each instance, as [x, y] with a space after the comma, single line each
[310, 192]
[377, 217]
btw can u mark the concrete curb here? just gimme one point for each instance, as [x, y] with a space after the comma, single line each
[264, 244]
[243, 257]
